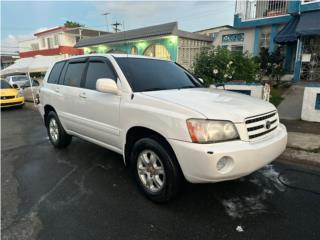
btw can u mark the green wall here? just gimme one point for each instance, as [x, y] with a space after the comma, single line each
[170, 42]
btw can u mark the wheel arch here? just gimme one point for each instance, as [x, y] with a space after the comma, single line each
[47, 109]
[137, 132]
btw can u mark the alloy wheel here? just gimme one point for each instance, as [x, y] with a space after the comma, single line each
[53, 129]
[151, 171]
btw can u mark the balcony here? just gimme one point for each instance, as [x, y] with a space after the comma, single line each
[257, 9]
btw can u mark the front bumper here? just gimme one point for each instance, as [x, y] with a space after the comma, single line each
[199, 161]
[12, 102]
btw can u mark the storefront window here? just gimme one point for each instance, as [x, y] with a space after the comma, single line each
[157, 50]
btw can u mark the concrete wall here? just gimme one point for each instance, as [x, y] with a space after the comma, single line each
[67, 39]
[254, 90]
[219, 32]
[247, 43]
[309, 111]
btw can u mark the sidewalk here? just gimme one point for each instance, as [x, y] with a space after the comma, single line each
[290, 108]
[303, 142]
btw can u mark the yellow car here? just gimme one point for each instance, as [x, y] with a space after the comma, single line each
[9, 95]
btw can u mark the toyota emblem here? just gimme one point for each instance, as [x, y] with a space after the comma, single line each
[268, 124]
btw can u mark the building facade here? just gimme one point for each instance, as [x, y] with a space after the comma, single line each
[163, 41]
[7, 59]
[268, 18]
[56, 41]
[231, 38]
[257, 23]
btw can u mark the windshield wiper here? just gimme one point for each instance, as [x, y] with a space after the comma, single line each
[153, 89]
[186, 87]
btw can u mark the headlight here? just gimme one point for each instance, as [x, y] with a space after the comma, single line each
[18, 94]
[210, 131]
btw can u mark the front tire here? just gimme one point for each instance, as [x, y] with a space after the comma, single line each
[57, 135]
[155, 170]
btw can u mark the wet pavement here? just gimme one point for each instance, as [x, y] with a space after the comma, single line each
[85, 192]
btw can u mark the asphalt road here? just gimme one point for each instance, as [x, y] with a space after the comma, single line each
[85, 192]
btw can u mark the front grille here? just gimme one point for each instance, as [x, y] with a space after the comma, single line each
[10, 104]
[261, 125]
[6, 97]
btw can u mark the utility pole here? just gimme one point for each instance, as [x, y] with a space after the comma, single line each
[106, 16]
[116, 26]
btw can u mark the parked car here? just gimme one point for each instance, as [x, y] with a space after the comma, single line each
[19, 80]
[167, 126]
[9, 96]
[30, 92]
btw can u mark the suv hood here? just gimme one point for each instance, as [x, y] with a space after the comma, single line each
[214, 103]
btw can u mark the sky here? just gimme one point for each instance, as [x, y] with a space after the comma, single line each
[20, 19]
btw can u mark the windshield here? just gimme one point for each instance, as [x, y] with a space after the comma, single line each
[4, 84]
[145, 74]
[19, 78]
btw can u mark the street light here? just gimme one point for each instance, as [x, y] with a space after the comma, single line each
[106, 16]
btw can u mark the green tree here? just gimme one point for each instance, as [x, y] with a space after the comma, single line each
[218, 64]
[277, 70]
[71, 24]
[245, 67]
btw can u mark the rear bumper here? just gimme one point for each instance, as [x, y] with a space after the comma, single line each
[199, 161]
[12, 102]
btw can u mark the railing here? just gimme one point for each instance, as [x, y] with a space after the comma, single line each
[253, 9]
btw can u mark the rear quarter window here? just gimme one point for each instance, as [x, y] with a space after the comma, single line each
[55, 73]
[74, 73]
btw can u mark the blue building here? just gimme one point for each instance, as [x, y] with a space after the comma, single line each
[295, 25]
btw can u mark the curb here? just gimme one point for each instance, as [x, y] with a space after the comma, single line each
[301, 156]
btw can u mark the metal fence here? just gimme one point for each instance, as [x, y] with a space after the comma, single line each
[188, 55]
[310, 70]
[252, 9]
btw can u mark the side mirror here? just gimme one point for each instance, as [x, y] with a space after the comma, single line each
[107, 85]
[201, 80]
[15, 86]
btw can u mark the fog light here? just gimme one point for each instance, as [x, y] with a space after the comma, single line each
[224, 164]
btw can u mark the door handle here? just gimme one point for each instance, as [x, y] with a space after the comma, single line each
[82, 95]
[57, 90]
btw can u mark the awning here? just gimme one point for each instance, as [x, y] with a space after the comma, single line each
[32, 64]
[288, 33]
[309, 24]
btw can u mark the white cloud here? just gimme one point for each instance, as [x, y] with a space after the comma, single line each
[11, 43]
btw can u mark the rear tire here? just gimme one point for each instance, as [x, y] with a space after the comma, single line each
[57, 135]
[155, 170]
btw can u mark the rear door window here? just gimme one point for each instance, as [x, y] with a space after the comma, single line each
[55, 73]
[74, 73]
[96, 70]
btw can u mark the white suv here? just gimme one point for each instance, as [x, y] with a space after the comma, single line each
[159, 117]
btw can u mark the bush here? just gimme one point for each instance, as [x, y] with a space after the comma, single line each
[270, 65]
[217, 65]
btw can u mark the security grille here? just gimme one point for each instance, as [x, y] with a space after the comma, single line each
[189, 50]
[310, 70]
